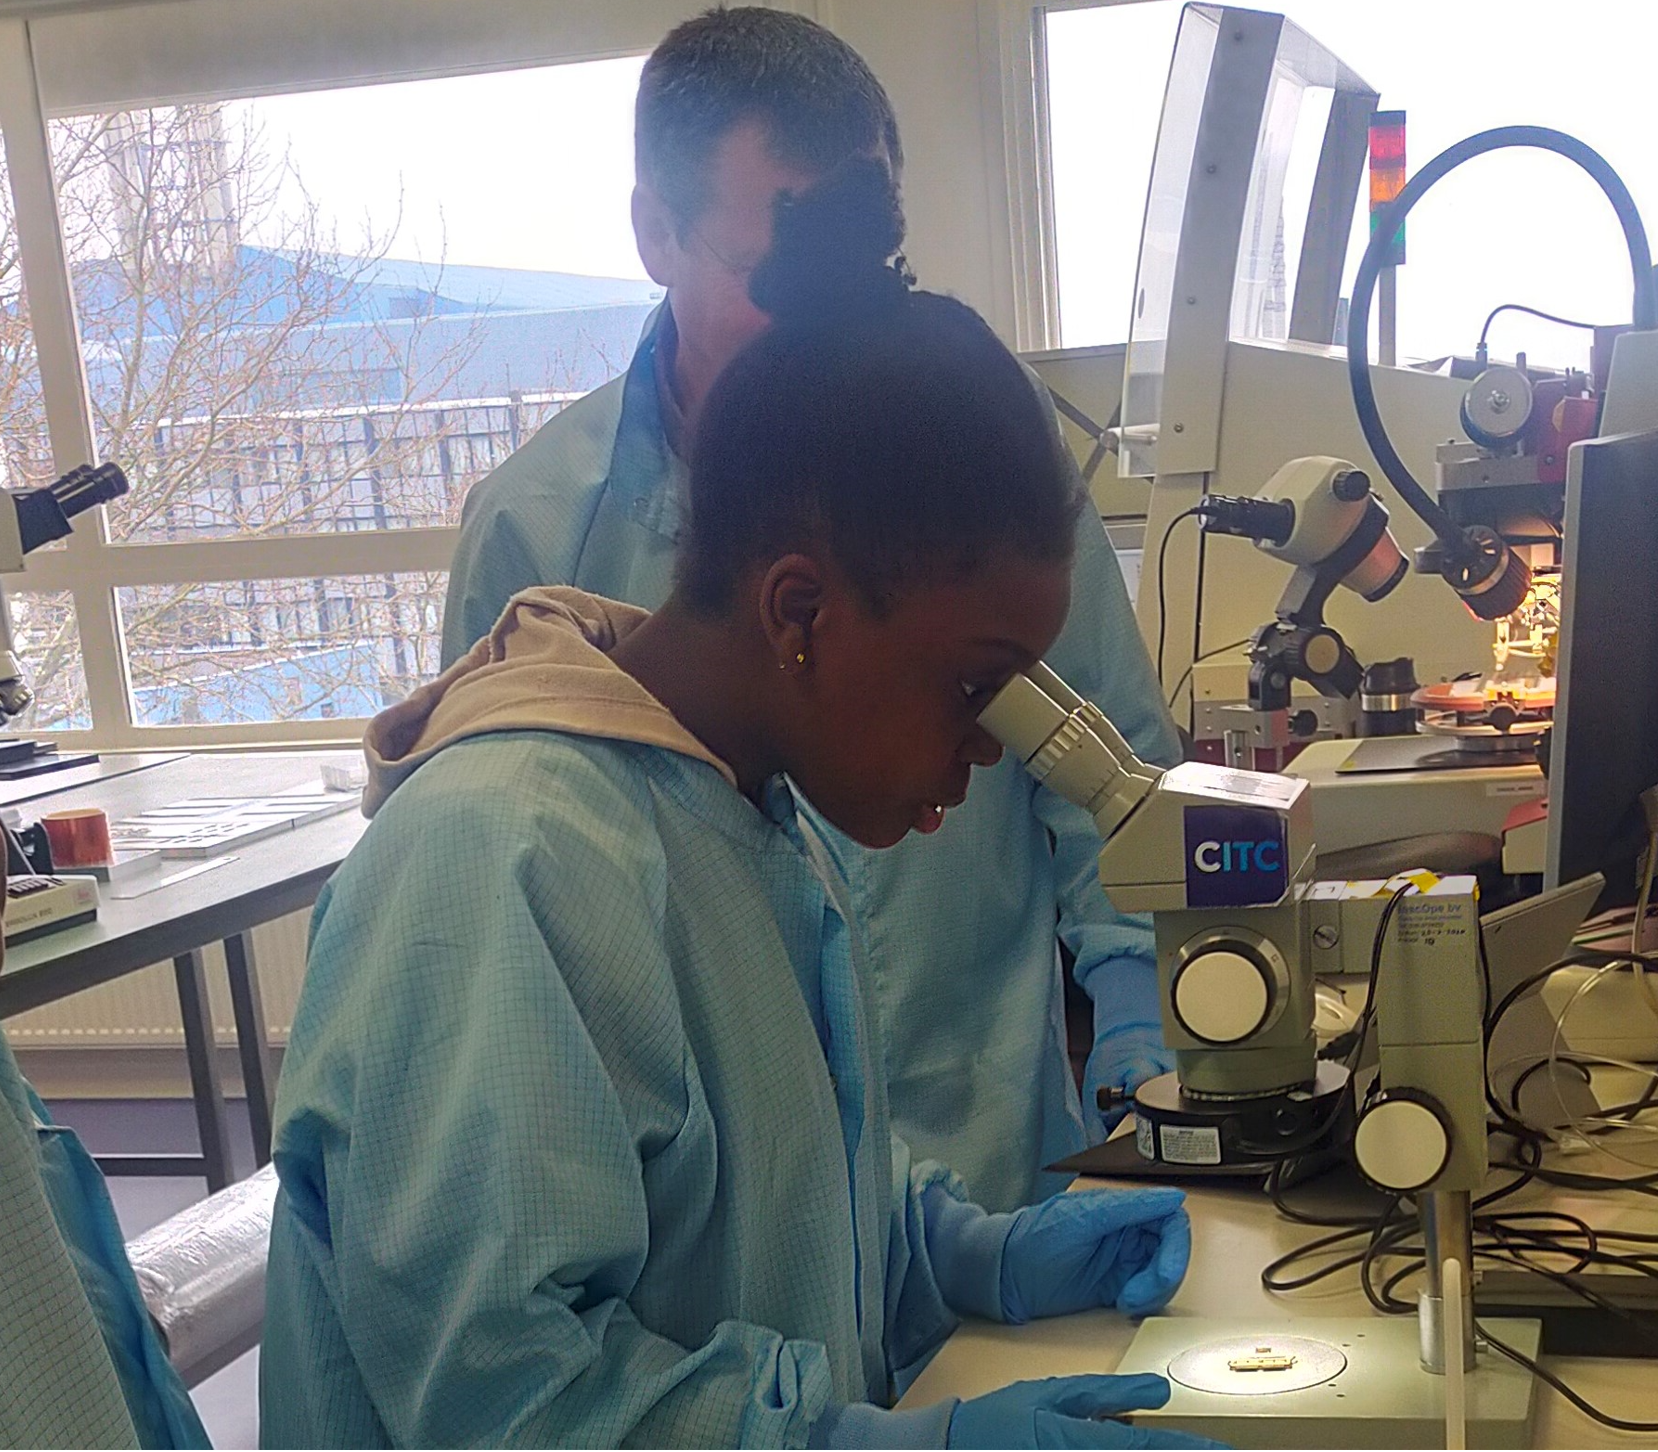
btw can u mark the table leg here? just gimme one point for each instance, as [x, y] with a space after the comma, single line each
[251, 1043]
[191, 976]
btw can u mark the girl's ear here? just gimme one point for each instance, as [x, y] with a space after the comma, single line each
[791, 599]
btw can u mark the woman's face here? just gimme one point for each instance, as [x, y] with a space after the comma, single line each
[886, 733]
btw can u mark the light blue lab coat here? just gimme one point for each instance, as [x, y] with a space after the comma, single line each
[81, 1363]
[961, 924]
[580, 1132]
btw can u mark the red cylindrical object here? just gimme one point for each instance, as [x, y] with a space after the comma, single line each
[79, 838]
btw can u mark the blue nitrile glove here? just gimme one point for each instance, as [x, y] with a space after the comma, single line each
[1076, 1252]
[1067, 1411]
[1123, 1059]
[1128, 1038]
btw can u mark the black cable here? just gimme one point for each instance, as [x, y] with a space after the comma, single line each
[1485, 974]
[1576, 1286]
[1507, 1242]
[1270, 1272]
[1620, 1424]
[1349, 1045]
[1186, 675]
[1383, 1241]
[1582, 957]
[1577, 1180]
[1197, 604]
[1649, 1097]
[1275, 1192]
[1162, 597]
[1530, 1069]
[1534, 312]
[1386, 227]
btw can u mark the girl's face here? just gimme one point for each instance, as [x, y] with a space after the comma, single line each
[884, 727]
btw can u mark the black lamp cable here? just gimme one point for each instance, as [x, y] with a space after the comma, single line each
[1462, 549]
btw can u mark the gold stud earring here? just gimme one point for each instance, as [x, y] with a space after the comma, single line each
[800, 659]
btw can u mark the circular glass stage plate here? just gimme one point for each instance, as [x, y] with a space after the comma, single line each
[1244, 1366]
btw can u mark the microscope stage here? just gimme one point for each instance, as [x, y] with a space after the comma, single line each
[1317, 1382]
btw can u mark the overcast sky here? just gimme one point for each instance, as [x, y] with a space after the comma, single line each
[533, 168]
[517, 169]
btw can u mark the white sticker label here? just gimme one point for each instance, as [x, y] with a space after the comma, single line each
[1426, 921]
[1217, 783]
[1143, 1140]
[1185, 1145]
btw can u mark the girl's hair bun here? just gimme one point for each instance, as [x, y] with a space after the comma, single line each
[834, 251]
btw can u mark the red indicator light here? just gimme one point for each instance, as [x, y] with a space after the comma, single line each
[1387, 170]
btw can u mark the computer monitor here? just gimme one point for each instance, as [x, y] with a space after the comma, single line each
[1605, 748]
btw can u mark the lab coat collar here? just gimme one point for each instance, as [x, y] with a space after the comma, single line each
[644, 471]
[544, 667]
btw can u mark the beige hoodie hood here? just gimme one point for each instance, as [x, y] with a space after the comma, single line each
[544, 667]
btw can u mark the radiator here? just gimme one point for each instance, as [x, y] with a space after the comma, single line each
[140, 1011]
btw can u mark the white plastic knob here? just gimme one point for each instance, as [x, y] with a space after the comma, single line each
[1401, 1144]
[1221, 997]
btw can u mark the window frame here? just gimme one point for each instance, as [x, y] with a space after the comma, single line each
[56, 62]
[1020, 94]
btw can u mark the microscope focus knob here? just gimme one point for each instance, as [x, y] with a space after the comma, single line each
[1403, 1141]
[1315, 652]
[1221, 996]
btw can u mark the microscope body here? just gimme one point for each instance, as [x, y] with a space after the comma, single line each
[1223, 860]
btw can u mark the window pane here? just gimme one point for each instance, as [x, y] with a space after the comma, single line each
[288, 335]
[1106, 73]
[1521, 226]
[279, 650]
[49, 646]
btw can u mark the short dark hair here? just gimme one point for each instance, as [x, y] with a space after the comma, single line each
[817, 99]
[892, 426]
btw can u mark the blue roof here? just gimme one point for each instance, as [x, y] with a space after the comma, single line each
[369, 291]
[491, 289]
[374, 329]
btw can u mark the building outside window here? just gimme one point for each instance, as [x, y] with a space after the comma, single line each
[276, 345]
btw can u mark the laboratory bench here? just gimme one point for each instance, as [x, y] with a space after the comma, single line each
[1235, 1233]
[175, 908]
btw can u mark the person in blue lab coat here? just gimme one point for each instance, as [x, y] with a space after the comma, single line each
[735, 108]
[581, 1133]
[81, 1362]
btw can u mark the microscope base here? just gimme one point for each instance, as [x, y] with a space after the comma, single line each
[1176, 1130]
[1373, 1391]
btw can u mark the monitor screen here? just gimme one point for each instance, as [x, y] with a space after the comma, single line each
[1605, 748]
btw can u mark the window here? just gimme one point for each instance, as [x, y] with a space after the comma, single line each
[279, 650]
[287, 340]
[1517, 226]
